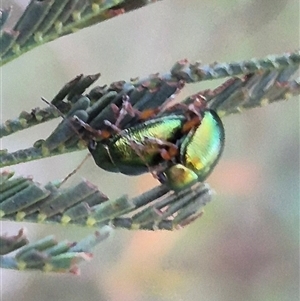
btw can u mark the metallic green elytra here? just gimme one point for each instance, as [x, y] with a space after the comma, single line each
[200, 151]
[138, 149]
[203, 146]
[134, 150]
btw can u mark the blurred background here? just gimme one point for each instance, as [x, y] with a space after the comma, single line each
[246, 245]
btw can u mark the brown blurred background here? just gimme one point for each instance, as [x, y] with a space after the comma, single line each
[246, 246]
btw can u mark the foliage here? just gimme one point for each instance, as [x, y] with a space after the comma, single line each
[251, 84]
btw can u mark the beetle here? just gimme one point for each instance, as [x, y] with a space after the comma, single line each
[176, 154]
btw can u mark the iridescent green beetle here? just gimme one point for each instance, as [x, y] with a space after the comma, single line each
[139, 149]
[135, 149]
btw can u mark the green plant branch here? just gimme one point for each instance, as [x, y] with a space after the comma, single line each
[252, 83]
[22, 199]
[194, 73]
[40, 115]
[47, 254]
[45, 21]
[234, 96]
[182, 72]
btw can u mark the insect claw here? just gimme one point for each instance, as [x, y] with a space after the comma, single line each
[112, 126]
[198, 104]
[95, 133]
[53, 106]
[82, 123]
[126, 108]
[108, 123]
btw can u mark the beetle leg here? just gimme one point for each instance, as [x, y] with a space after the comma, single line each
[139, 148]
[94, 133]
[125, 109]
[147, 113]
[197, 105]
[167, 154]
[128, 109]
[191, 123]
[113, 127]
[169, 150]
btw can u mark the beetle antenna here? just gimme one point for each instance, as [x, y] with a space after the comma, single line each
[74, 171]
[53, 107]
[78, 120]
[83, 124]
[64, 117]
